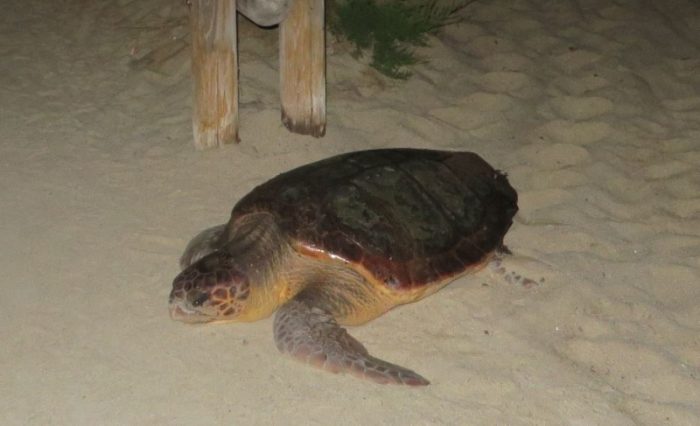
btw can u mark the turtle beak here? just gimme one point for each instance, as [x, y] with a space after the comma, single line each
[179, 313]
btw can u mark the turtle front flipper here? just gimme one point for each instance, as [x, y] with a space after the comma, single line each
[311, 335]
[202, 244]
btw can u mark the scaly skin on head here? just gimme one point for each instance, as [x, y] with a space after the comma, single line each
[211, 289]
[236, 275]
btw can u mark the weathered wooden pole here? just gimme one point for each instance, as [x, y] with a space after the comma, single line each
[215, 72]
[303, 68]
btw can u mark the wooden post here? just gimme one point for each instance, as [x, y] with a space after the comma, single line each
[215, 72]
[303, 68]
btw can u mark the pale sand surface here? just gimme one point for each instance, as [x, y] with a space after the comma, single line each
[592, 107]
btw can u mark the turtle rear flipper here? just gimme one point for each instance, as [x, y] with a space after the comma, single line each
[311, 335]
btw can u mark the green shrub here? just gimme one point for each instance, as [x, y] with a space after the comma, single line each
[390, 28]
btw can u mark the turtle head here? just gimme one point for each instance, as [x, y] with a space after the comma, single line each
[213, 288]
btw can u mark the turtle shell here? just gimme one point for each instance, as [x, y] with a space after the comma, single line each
[407, 216]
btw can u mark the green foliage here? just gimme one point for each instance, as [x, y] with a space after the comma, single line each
[390, 28]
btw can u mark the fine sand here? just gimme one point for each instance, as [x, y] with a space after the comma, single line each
[591, 107]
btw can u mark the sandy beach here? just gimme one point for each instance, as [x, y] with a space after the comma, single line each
[591, 107]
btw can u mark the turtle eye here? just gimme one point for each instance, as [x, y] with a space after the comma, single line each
[199, 300]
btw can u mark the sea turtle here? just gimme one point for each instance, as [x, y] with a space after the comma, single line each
[342, 241]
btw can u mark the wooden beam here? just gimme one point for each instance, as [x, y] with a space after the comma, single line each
[215, 72]
[303, 68]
